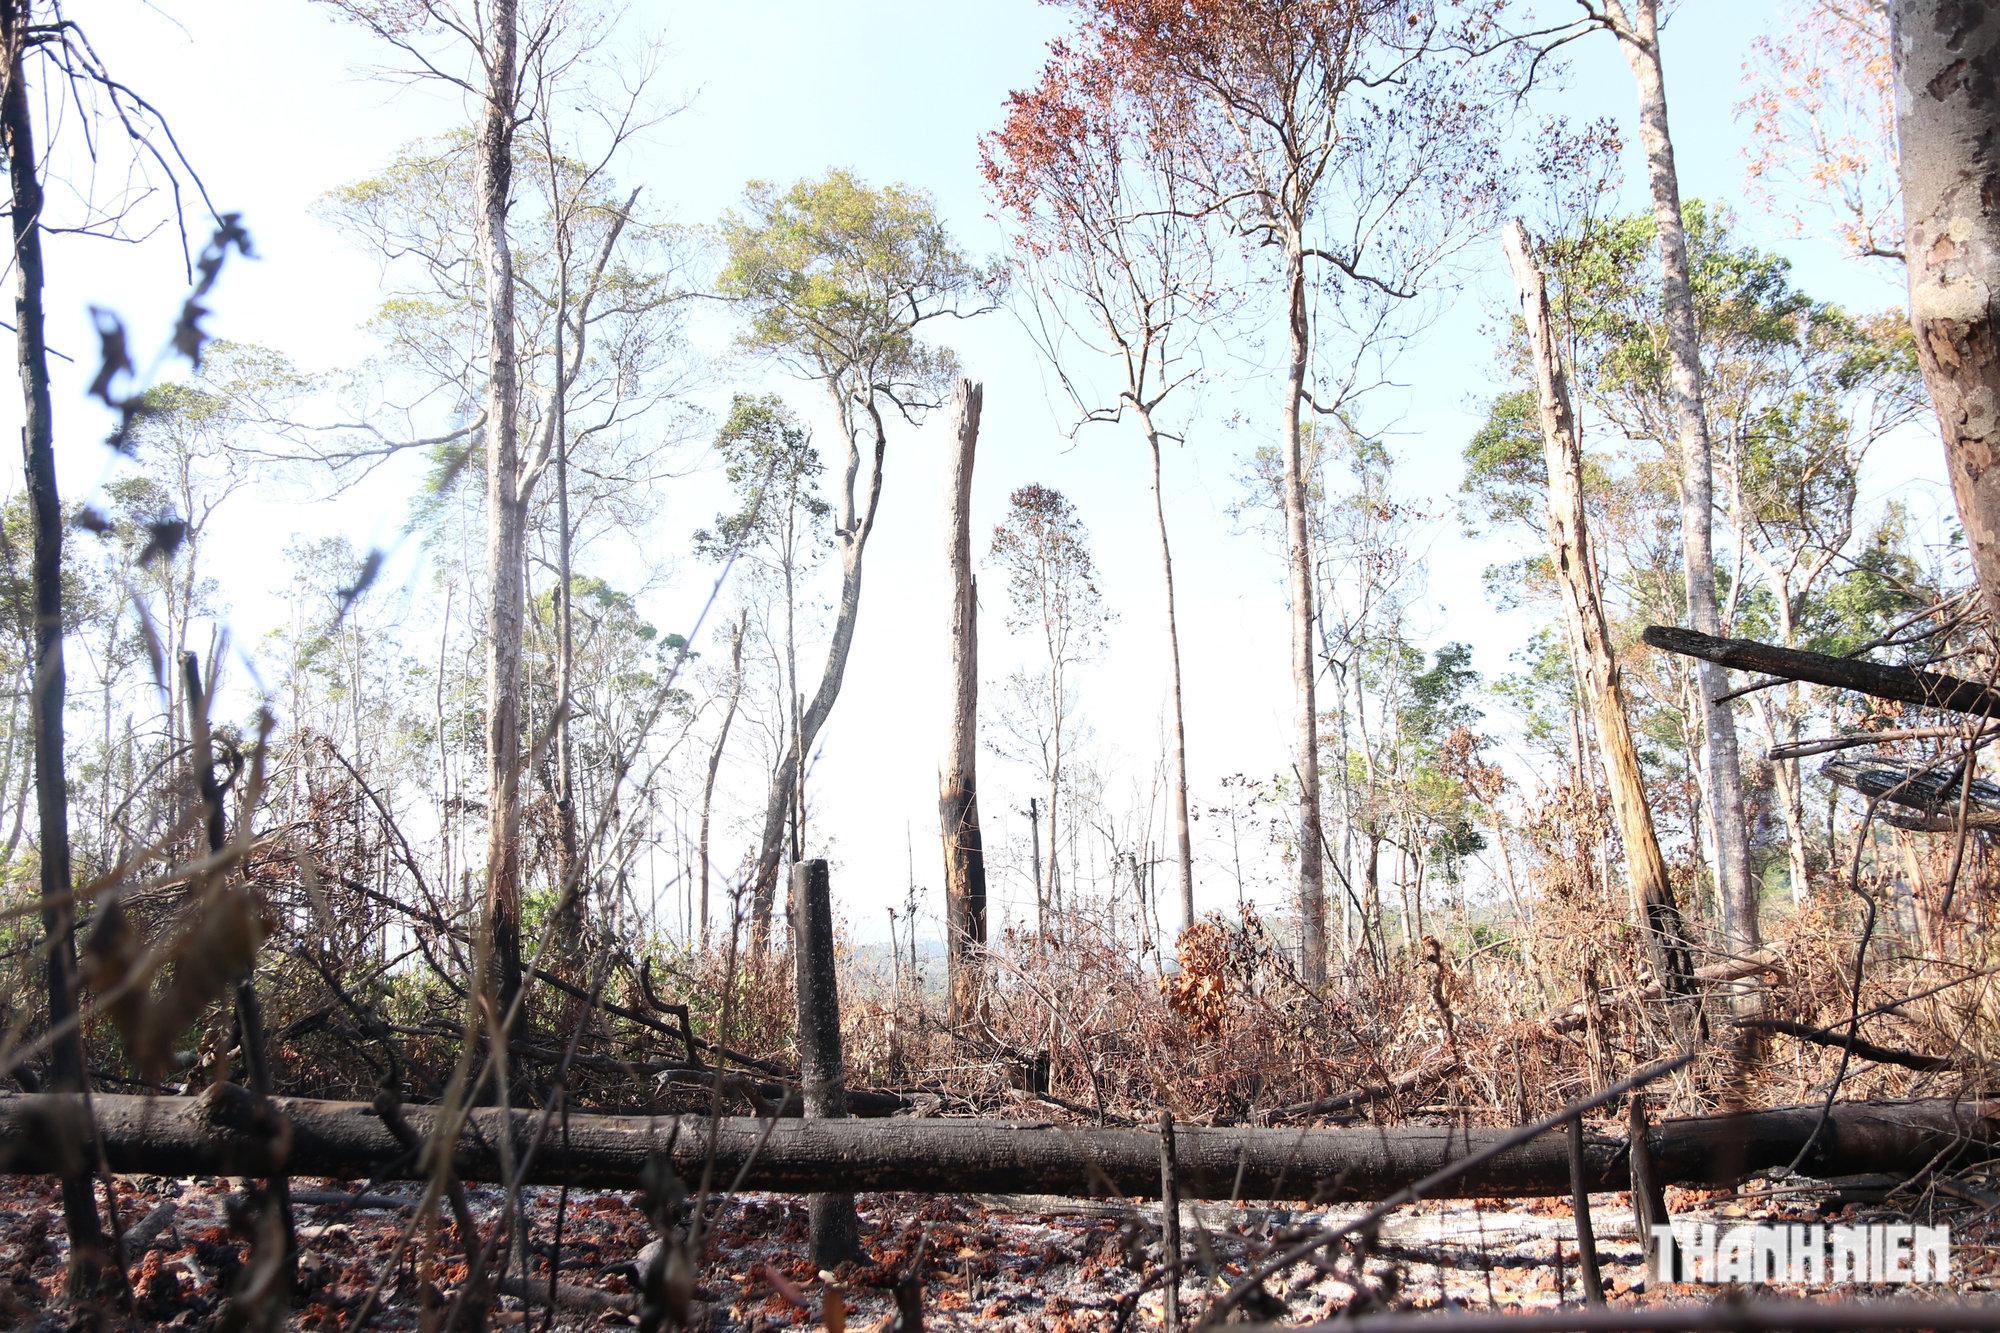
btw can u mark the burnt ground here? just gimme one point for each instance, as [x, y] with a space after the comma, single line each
[990, 1262]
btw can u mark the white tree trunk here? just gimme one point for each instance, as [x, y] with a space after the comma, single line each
[1638, 38]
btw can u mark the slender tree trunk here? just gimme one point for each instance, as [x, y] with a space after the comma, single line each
[568, 876]
[1184, 841]
[1298, 569]
[852, 531]
[1638, 38]
[506, 549]
[48, 686]
[1050, 891]
[1948, 128]
[958, 788]
[715, 761]
[1583, 606]
[1035, 867]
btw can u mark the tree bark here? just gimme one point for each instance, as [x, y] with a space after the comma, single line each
[506, 549]
[1183, 836]
[48, 683]
[219, 1133]
[1947, 61]
[1305, 667]
[852, 525]
[821, 1074]
[1903, 684]
[1638, 38]
[1570, 554]
[958, 787]
[569, 917]
[249, 1012]
[715, 761]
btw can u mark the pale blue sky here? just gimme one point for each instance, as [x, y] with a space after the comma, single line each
[273, 102]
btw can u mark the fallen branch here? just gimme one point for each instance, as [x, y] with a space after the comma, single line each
[215, 1134]
[1903, 684]
[1865, 1050]
[589, 1300]
[1422, 1076]
[647, 1020]
[1828, 744]
[1732, 968]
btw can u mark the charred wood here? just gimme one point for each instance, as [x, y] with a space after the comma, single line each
[218, 1134]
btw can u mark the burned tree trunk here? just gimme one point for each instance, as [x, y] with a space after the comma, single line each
[958, 789]
[48, 686]
[1948, 132]
[219, 1133]
[249, 1012]
[1583, 607]
[821, 1075]
[1904, 684]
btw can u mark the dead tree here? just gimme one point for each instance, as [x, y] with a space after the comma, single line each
[834, 1228]
[1575, 567]
[1904, 684]
[958, 788]
[1947, 59]
[220, 1133]
[48, 681]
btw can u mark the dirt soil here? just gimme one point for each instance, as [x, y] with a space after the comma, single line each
[990, 1262]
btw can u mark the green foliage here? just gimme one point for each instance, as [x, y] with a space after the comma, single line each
[769, 460]
[1440, 698]
[1504, 471]
[837, 277]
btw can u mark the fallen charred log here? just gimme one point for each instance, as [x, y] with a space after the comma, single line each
[1903, 684]
[1865, 1050]
[221, 1133]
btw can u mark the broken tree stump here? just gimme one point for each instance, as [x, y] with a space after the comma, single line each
[835, 1230]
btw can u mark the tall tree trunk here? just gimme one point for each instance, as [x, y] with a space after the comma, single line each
[1050, 890]
[715, 761]
[506, 550]
[1299, 576]
[1638, 38]
[569, 920]
[852, 527]
[1184, 841]
[1583, 606]
[958, 789]
[1948, 128]
[48, 686]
